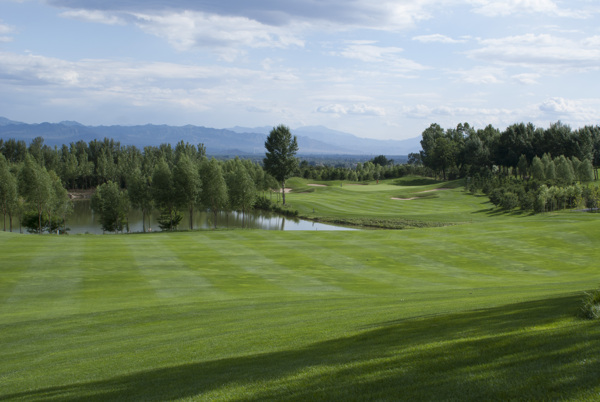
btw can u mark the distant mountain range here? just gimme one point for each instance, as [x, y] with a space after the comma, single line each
[312, 140]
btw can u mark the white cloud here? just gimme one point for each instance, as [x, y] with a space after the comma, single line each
[494, 8]
[480, 75]
[154, 81]
[94, 16]
[355, 109]
[577, 112]
[526, 78]
[5, 29]
[593, 41]
[545, 52]
[365, 51]
[437, 38]
[560, 106]
[369, 52]
[226, 35]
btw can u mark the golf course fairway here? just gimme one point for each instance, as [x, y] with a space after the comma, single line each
[484, 308]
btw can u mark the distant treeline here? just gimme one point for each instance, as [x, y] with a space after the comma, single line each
[462, 151]
[535, 169]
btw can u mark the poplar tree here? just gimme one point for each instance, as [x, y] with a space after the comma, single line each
[280, 159]
[35, 187]
[214, 189]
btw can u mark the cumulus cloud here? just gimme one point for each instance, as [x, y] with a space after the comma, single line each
[355, 109]
[542, 51]
[577, 112]
[437, 38]
[188, 30]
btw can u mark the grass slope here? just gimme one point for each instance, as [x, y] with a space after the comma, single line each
[486, 310]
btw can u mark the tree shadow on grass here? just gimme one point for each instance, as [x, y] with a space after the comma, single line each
[524, 351]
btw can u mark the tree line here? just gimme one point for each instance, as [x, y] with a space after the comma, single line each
[523, 166]
[34, 178]
[462, 151]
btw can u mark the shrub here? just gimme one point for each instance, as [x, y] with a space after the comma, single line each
[591, 305]
[263, 203]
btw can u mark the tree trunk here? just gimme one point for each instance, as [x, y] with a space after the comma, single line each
[283, 191]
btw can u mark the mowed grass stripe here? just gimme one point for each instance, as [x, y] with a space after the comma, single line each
[14, 262]
[327, 265]
[112, 280]
[224, 263]
[169, 275]
[279, 267]
[49, 282]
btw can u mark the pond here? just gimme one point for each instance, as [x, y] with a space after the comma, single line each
[83, 220]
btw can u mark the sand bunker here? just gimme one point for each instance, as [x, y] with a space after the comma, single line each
[317, 185]
[404, 199]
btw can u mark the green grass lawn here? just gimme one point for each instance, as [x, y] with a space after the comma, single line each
[482, 310]
[372, 203]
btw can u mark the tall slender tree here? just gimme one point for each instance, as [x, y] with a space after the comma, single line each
[187, 185]
[165, 197]
[214, 189]
[35, 187]
[241, 188]
[140, 193]
[280, 159]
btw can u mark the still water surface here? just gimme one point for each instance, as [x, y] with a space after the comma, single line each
[83, 220]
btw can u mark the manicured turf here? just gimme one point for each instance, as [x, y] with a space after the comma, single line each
[476, 311]
[443, 202]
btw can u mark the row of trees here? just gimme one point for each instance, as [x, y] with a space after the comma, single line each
[170, 180]
[188, 184]
[549, 166]
[462, 151]
[366, 171]
[537, 197]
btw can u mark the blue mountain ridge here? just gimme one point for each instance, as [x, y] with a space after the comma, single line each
[312, 140]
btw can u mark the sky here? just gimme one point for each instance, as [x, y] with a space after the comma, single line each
[384, 69]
